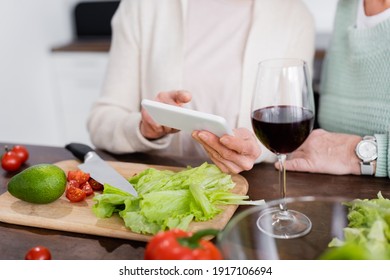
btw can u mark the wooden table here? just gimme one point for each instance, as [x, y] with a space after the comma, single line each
[16, 240]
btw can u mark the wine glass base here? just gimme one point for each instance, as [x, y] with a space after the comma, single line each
[284, 224]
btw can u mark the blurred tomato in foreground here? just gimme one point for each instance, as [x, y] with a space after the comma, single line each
[177, 244]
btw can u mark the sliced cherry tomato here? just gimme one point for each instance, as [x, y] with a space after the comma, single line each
[79, 185]
[75, 194]
[10, 161]
[95, 184]
[78, 175]
[72, 183]
[86, 187]
[21, 152]
[38, 253]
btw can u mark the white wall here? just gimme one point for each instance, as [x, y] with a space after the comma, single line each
[323, 11]
[29, 29]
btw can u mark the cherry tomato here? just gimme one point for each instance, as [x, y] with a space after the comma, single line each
[72, 183]
[78, 185]
[38, 253]
[21, 152]
[78, 175]
[95, 184]
[75, 194]
[86, 187]
[10, 161]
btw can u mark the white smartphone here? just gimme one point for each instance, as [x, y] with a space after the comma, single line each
[185, 119]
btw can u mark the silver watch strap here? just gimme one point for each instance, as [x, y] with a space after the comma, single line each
[367, 168]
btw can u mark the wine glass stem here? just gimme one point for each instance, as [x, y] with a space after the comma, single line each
[282, 181]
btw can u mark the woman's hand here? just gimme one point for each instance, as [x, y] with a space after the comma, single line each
[326, 152]
[232, 154]
[150, 129]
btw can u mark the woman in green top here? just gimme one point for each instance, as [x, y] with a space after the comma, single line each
[354, 96]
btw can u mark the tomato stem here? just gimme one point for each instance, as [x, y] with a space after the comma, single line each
[194, 240]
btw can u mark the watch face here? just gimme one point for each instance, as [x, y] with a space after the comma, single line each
[367, 150]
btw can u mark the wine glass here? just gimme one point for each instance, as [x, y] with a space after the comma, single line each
[282, 118]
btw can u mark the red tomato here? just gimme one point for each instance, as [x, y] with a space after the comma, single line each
[86, 187]
[78, 175]
[75, 194]
[176, 244]
[21, 152]
[38, 253]
[78, 186]
[10, 161]
[95, 184]
[73, 183]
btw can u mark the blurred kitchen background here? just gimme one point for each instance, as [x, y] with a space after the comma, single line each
[53, 55]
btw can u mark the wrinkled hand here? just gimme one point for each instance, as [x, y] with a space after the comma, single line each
[326, 152]
[232, 154]
[150, 129]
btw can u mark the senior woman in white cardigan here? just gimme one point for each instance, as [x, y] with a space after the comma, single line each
[201, 54]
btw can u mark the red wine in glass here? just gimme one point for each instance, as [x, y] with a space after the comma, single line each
[282, 118]
[282, 129]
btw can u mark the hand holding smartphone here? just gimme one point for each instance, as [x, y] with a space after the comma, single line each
[185, 119]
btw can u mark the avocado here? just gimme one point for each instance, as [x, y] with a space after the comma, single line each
[41, 184]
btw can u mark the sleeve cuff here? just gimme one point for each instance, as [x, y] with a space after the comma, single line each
[137, 141]
[382, 169]
[159, 144]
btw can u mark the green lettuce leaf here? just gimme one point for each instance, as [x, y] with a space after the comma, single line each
[168, 199]
[368, 233]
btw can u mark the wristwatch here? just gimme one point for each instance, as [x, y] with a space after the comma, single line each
[367, 151]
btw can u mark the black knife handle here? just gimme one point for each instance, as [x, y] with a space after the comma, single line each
[79, 150]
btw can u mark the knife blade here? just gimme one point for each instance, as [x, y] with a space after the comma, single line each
[99, 169]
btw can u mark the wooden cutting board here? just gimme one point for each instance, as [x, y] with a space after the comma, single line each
[78, 217]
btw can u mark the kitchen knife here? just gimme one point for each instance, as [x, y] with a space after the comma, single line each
[98, 169]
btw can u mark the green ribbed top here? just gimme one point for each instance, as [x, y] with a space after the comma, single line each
[355, 83]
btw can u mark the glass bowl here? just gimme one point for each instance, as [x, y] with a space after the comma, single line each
[243, 240]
